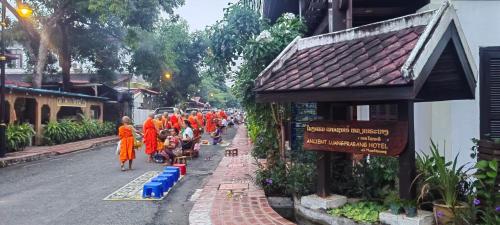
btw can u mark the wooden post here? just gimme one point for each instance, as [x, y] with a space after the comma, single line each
[323, 170]
[329, 111]
[349, 14]
[336, 15]
[323, 162]
[407, 169]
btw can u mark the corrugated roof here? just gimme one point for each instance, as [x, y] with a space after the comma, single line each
[51, 92]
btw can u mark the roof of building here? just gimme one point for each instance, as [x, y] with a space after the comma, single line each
[77, 78]
[10, 88]
[400, 52]
[368, 61]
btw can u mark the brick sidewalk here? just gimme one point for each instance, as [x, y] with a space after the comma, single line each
[40, 152]
[230, 196]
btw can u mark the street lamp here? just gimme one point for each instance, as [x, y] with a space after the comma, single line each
[167, 75]
[24, 11]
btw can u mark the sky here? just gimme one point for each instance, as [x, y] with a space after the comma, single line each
[201, 13]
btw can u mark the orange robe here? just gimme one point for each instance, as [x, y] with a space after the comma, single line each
[199, 116]
[158, 124]
[193, 122]
[210, 126]
[166, 123]
[150, 136]
[223, 115]
[175, 122]
[126, 135]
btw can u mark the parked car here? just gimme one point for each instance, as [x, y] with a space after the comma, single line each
[162, 110]
[189, 110]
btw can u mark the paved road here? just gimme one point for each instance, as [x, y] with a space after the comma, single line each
[69, 190]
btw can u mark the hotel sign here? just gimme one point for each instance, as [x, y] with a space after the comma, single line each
[385, 138]
[71, 102]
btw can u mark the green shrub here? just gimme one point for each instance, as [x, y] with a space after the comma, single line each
[364, 211]
[370, 178]
[19, 136]
[279, 180]
[273, 179]
[67, 131]
[300, 178]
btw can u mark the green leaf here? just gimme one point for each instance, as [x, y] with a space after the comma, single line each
[482, 164]
[493, 165]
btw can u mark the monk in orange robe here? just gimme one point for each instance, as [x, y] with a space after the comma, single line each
[159, 127]
[175, 121]
[158, 123]
[165, 120]
[222, 114]
[150, 136]
[126, 134]
[194, 123]
[199, 116]
[209, 125]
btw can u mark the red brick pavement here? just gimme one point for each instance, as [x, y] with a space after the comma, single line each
[39, 152]
[239, 201]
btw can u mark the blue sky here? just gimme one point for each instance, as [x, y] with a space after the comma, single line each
[200, 13]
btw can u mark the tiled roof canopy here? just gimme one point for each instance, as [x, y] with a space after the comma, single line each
[398, 59]
[368, 61]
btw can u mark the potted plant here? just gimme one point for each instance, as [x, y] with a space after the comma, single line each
[445, 178]
[410, 207]
[392, 200]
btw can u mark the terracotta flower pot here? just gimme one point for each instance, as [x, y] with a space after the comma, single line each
[444, 214]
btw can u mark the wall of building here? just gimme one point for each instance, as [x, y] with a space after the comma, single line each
[52, 103]
[452, 124]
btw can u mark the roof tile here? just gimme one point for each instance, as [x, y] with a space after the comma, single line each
[369, 61]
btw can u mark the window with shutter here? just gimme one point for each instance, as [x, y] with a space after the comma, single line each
[384, 112]
[489, 82]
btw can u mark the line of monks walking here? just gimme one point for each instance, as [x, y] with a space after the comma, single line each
[168, 135]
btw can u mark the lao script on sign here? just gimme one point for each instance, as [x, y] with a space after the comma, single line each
[385, 138]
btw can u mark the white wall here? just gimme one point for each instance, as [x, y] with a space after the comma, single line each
[139, 115]
[456, 122]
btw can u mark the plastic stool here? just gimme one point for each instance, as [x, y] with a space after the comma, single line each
[163, 181]
[154, 188]
[170, 179]
[174, 172]
[180, 159]
[182, 167]
[172, 167]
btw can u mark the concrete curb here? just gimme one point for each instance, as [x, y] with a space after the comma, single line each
[25, 158]
[48, 154]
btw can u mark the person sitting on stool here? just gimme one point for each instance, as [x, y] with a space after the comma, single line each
[187, 135]
[171, 143]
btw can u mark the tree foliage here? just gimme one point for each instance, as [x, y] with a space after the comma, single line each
[243, 36]
[214, 90]
[170, 49]
[94, 31]
[229, 36]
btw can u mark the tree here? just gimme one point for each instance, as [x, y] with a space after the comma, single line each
[93, 30]
[215, 91]
[229, 36]
[255, 48]
[169, 49]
